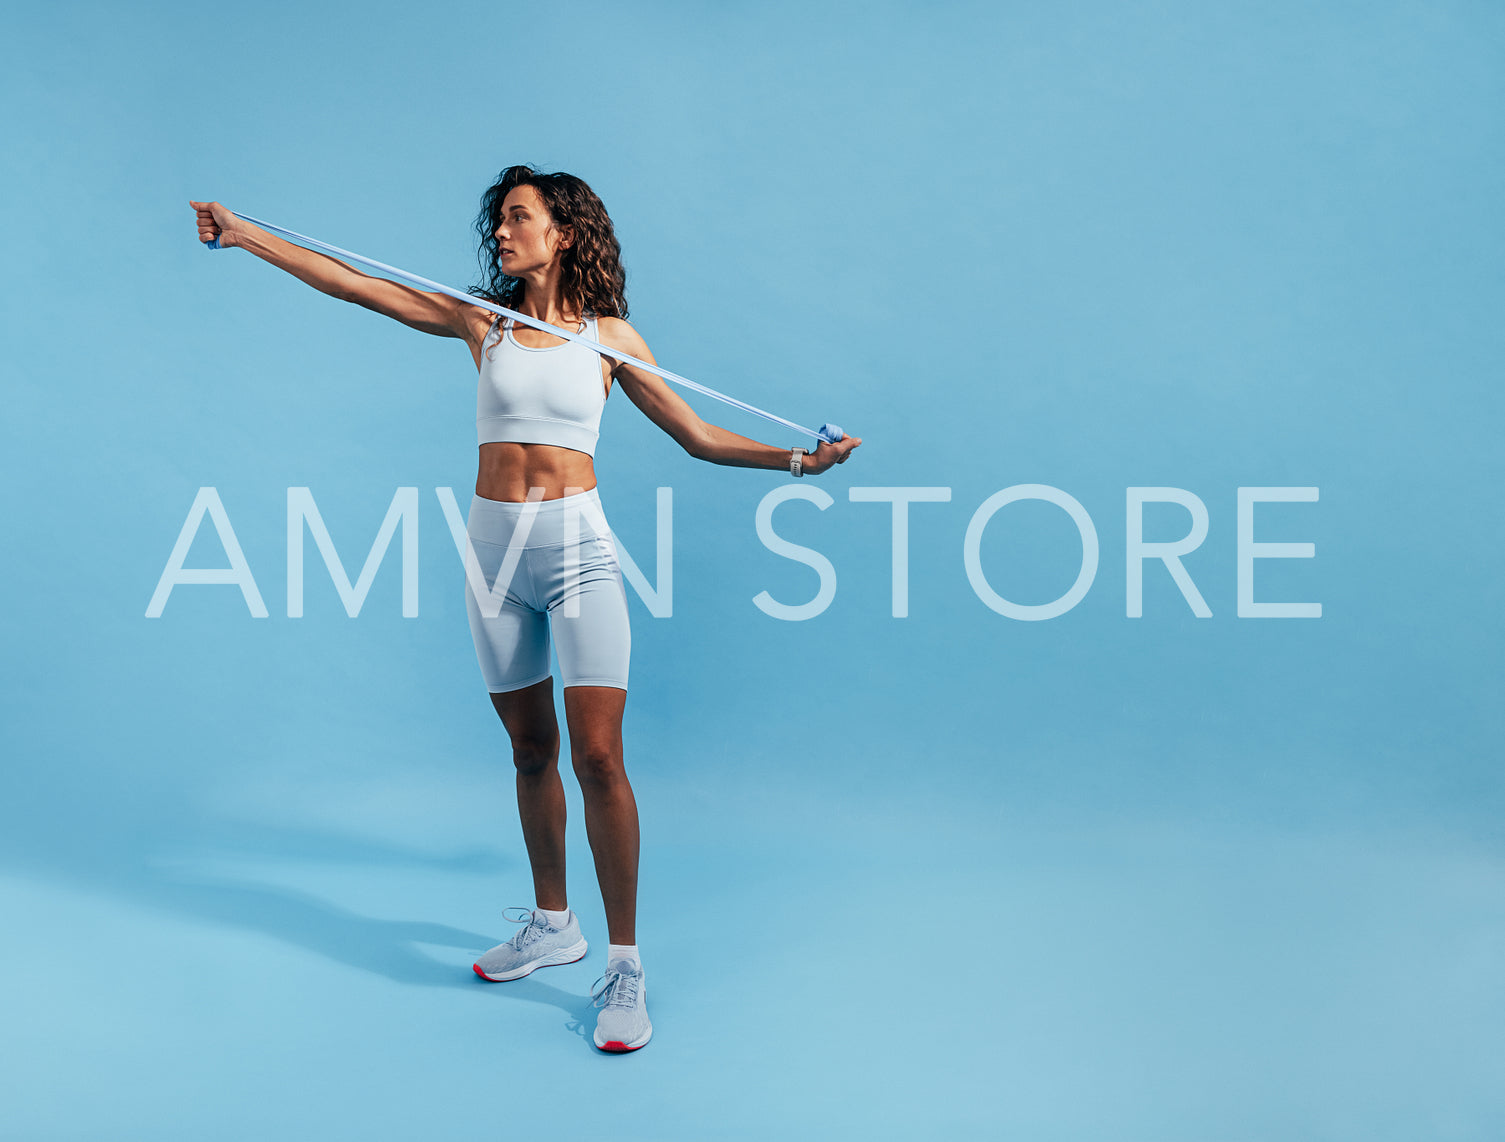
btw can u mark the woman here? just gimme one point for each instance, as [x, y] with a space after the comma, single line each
[541, 546]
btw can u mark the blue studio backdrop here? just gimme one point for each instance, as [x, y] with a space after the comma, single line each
[1109, 750]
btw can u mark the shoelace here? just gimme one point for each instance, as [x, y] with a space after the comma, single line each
[532, 928]
[616, 989]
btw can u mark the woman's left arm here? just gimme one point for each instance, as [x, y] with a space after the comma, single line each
[704, 441]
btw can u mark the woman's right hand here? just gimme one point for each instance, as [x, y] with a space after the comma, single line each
[434, 313]
[217, 222]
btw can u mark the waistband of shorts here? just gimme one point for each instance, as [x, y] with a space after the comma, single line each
[551, 523]
[514, 508]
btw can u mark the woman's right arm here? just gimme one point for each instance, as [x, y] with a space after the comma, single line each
[434, 313]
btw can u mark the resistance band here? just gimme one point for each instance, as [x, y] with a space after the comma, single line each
[829, 432]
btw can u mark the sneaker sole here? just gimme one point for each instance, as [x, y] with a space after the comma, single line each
[617, 1047]
[573, 954]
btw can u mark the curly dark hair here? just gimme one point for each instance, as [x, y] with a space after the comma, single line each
[593, 277]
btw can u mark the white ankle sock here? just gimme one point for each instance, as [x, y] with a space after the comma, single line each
[558, 919]
[615, 952]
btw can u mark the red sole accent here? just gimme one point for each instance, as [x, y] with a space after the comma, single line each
[616, 1045]
[477, 969]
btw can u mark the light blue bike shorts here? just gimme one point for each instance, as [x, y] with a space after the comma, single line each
[537, 565]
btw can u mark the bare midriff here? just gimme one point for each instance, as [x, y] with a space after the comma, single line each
[508, 470]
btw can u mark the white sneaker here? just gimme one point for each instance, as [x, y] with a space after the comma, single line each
[537, 944]
[623, 1023]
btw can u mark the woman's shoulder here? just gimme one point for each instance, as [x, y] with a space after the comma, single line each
[616, 333]
[478, 319]
[475, 326]
[614, 325]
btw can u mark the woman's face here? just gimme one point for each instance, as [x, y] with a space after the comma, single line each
[527, 239]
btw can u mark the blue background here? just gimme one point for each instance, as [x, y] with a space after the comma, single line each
[952, 875]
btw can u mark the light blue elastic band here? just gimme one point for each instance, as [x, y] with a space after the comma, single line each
[827, 431]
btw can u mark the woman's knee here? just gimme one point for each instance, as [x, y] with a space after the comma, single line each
[533, 756]
[528, 715]
[598, 763]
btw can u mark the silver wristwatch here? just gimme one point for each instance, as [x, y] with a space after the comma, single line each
[796, 461]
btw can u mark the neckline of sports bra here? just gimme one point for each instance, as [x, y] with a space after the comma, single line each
[507, 334]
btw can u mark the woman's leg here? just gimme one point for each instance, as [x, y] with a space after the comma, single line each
[594, 716]
[529, 717]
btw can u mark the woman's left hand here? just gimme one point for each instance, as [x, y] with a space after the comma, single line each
[826, 454]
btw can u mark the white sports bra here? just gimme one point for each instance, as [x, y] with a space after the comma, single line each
[540, 396]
